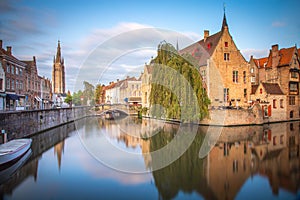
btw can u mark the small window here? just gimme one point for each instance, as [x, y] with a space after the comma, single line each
[226, 44]
[281, 103]
[274, 103]
[226, 56]
[244, 77]
[291, 100]
[245, 93]
[294, 74]
[12, 84]
[235, 76]
[252, 70]
[260, 90]
[7, 68]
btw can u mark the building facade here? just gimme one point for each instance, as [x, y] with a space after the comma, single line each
[146, 85]
[33, 85]
[223, 68]
[14, 73]
[46, 92]
[281, 67]
[58, 73]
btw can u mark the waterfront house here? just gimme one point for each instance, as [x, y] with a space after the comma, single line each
[223, 68]
[271, 99]
[280, 68]
[130, 91]
[146, 85]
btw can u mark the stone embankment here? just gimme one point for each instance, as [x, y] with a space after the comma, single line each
[27, 123]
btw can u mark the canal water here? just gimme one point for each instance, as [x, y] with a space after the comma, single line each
[132, 158]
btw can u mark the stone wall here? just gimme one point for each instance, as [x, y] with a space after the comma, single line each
[26, 123]
[234, 117]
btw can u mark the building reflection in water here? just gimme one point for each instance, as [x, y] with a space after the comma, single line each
[270, 151]
[41, 143]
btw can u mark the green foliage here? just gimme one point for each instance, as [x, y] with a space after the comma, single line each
[176, 89]
[98, 92]
[68, 99]
[77, 98]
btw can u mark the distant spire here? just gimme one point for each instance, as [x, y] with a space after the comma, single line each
[224, 24]
[58, 53]
[177, 48]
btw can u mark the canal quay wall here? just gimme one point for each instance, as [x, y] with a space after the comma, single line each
[21, 124]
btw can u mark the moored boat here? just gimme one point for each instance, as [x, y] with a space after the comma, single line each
[13, 149]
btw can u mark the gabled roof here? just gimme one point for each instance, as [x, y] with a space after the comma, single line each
[203, 49]
[285, 54]
[272, 88]
[260, 62]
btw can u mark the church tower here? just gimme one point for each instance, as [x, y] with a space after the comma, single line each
[58, 73]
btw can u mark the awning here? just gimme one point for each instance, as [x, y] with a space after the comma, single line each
[2, 95]
[38, 98]
[12, 96]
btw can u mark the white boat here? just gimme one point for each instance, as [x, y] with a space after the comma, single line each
[7, 170]
[13, 149]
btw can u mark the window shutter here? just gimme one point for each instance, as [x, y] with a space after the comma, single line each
[269, 110]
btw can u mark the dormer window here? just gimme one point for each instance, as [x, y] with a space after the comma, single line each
[252, 70]
[226, 44]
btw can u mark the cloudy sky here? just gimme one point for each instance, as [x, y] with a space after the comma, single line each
[107, 40]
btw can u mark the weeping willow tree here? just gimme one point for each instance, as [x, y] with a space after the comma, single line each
[176, 88]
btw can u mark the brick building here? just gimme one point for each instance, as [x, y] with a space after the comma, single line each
[280, 68]
[14, 74]
[33, 85]
[223, 68]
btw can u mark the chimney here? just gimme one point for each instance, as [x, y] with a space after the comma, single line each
[0, 44]
[117, 80]
[206, 34]
[275, 48]
[34, 59]
[8, 50]
[275, 55]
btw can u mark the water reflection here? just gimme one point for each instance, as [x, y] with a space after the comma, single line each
[247, 161]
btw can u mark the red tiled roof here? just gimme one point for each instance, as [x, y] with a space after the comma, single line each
[286, 55]
[272, 88]
[260, 62]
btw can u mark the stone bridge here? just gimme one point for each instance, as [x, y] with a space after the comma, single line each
[122, 108]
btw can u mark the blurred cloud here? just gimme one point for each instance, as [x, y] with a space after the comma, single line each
[278, 24]
[257, 53]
